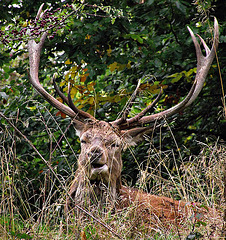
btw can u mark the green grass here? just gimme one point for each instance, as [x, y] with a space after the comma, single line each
[192, 178]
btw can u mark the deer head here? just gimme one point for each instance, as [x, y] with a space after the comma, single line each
[100, 163]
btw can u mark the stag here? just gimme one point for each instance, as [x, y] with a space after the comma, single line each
[98, 177]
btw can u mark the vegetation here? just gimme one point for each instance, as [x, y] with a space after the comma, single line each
[103, 48]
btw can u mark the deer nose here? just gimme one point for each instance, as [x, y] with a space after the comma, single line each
[95, 155]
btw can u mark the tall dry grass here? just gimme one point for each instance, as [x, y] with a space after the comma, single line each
[192, 178]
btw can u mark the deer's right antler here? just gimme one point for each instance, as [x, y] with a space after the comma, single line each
[34, 50]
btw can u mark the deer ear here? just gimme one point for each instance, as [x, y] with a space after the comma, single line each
[134, 136]
[79, 126]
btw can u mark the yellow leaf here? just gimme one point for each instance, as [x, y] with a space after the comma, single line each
[113, 66]
[73, 69]
[24, 24]
[91, 100]
[65, 89]
[60, 99]
[153, 89]
[128, 65]
[62, 83]
[32, 108]
[67, 77]
[73, 92]
[68, 62]
[88, 36]
[118, 66]
[73, 74]
[90, 86]
[121, 66]
[109, 51]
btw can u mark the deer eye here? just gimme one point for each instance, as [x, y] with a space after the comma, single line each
[83, 141]
[114, 145]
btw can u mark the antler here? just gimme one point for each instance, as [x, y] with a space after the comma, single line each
[203, 66]
[34, 50]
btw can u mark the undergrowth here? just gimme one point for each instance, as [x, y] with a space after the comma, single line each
[26, 213]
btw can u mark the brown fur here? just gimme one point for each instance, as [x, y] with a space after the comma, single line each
[104, 189]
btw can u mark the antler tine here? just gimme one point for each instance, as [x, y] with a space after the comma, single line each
[82, 114]
[149, 108]
[134, 119]
[203, 62]
[130, 123]
[130, 103]
[203, 66]
[204, 44]
[65, 99]
[128, 106]
[34, 50]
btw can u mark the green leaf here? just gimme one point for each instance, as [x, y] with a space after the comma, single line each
[181, 6]
[176, 77]
[150, 2]
[135, 37]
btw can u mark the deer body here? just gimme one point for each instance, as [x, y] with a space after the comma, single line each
[97, 182]
[98, 177]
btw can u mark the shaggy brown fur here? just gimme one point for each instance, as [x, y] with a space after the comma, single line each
[97, 183]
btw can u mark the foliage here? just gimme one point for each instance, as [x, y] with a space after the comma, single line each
[103, 48]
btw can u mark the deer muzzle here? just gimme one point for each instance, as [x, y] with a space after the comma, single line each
[98, 163]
